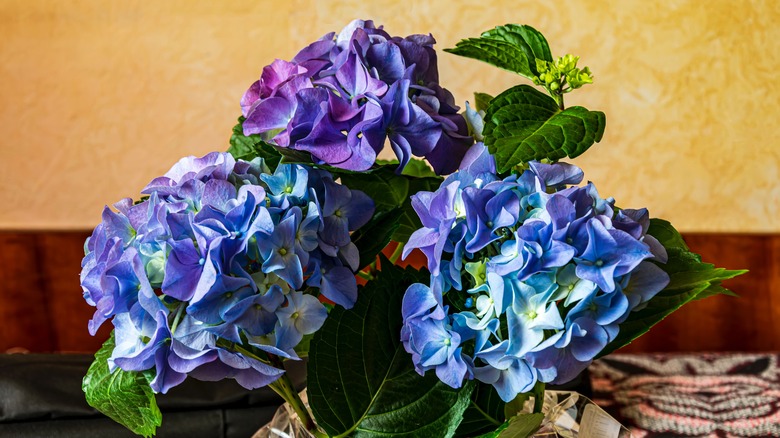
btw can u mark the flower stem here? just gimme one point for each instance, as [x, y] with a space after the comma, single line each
[365, 275]
[538, 397]
[396, 253]
[283, 386]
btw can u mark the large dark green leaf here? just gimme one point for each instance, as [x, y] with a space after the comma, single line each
[524, 124]
[511, 47]
[689, 279]
[484, 414]
[372, 237]
[123, 396]
[391, 191]
[361, 381]
[384, 186]
[526, 37]
[409, 221]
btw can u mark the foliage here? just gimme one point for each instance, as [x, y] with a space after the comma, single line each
[124, 396]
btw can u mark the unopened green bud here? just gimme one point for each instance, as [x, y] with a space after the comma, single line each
[567, 63]
[541, 65]
[577, 78]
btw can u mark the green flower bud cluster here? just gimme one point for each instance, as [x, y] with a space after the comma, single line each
[561, 76]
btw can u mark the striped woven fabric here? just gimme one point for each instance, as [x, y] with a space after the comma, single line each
[702, 395]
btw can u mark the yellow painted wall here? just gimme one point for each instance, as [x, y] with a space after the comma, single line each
[100, 96]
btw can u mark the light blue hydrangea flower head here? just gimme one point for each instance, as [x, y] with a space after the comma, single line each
[531, 275]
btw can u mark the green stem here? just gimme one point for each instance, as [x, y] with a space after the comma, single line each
[558, 99]
[283, 386]
[177, 318]
[396, 253]
[538, 397]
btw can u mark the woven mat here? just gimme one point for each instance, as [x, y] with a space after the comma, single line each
[702, 395]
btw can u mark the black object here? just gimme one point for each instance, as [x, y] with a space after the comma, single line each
[40, 396]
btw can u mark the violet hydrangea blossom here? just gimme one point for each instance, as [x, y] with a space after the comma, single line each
[344, 96]
[222, 253]
[531, 274]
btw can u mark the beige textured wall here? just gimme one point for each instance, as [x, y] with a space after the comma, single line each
[100, 96]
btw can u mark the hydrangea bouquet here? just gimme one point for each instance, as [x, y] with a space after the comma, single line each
[235, 262]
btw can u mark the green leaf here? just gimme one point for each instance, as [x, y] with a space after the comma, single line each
[689, 279]
[388, 190]
[511, 47]
[526, 37]
[391, 191]
[524, 124]
[415, 167]
[495, 433]
[302, 349]
[253, 146]
[523, 426]
[250, 147]
[666, 234]
[374, 236]
[418, 168]
[124, 396]
[409, 221]
[481, 101]
[361, 381]
[499, 53]
[515, 406]
[484, 413]
[519, 426]
[715, 289]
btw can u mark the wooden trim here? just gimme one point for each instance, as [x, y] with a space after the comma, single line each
[42, 309]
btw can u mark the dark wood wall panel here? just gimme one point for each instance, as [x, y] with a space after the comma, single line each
[723, 323]
[42, 310]
[41, 305]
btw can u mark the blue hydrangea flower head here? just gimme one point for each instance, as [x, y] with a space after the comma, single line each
[551, 268]
[223, 253]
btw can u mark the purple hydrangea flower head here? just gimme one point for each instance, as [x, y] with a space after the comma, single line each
[222, 253]
[343, 96]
